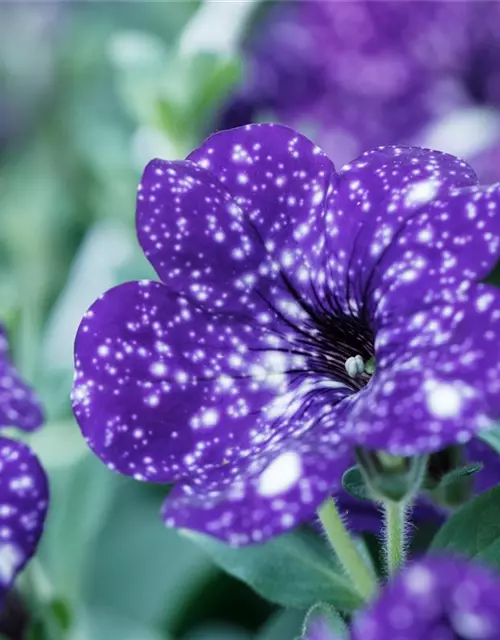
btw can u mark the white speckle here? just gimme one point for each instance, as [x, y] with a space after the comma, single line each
[281, 474]
[235, 360]
[287, 258]
[158, 369]
[418, 580]
[318, 198]
[484, 301]
[470, 625]
[21, 482]
[287, 520]
[225, 381]
[103, 350]
[443, 400]
[425, 235]
[409, 275]
[421, 192]
[210, 417]
[152, 400]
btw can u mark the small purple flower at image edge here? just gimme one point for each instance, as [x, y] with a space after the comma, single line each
[24, 491]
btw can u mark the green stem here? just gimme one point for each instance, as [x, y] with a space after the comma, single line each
[355, 566]
[394, 534]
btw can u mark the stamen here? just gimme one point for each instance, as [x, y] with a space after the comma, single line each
[354, 366]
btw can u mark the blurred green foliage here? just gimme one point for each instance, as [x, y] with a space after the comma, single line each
[102, 88]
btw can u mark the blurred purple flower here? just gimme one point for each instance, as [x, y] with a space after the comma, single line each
[443, 598]
[23, 484]
[359, 74]
[242, 375]
[319, 629]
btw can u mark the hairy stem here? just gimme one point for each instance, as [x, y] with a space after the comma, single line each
[395, 529]
[354, 564]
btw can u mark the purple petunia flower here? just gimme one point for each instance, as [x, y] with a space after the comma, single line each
[438, 598]
[18, 403]
[360, 74]
[243, 375]
[23, 484]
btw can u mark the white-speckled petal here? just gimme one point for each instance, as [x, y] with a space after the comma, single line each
[23, 506]
[19, 406]
[451, 243]
[241, 221]
[262, 498]
[376, 195]
[165, 389]
[438, 376]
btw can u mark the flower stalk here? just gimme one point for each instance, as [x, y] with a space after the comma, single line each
[354, 564]
[395, 531]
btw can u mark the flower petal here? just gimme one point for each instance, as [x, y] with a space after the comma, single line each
[164, 389]
[437, 380]
[265, 497]
[436, 597]
[19, 406]
[376, 195]
[274, 173]
[453, 241]
[23, 506]
[223, 225]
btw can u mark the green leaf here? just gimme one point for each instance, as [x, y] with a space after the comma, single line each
[491, 437]
[474, 530]
[295, 570]
[219, 631]
[83, 494]
[330, 618]
[167, 568]
[450, 478]
[354, 483]
[48, 621]
[454, 488]
[172, 119]
[103, 624]
[284, 624]
[62, 613]
[214, 77]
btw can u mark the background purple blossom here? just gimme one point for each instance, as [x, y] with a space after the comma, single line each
[23, 484]
[360, 74]
[434, 598]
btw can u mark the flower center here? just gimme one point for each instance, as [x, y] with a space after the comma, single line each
[355, 366]
[332, 342]
[333, 339]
